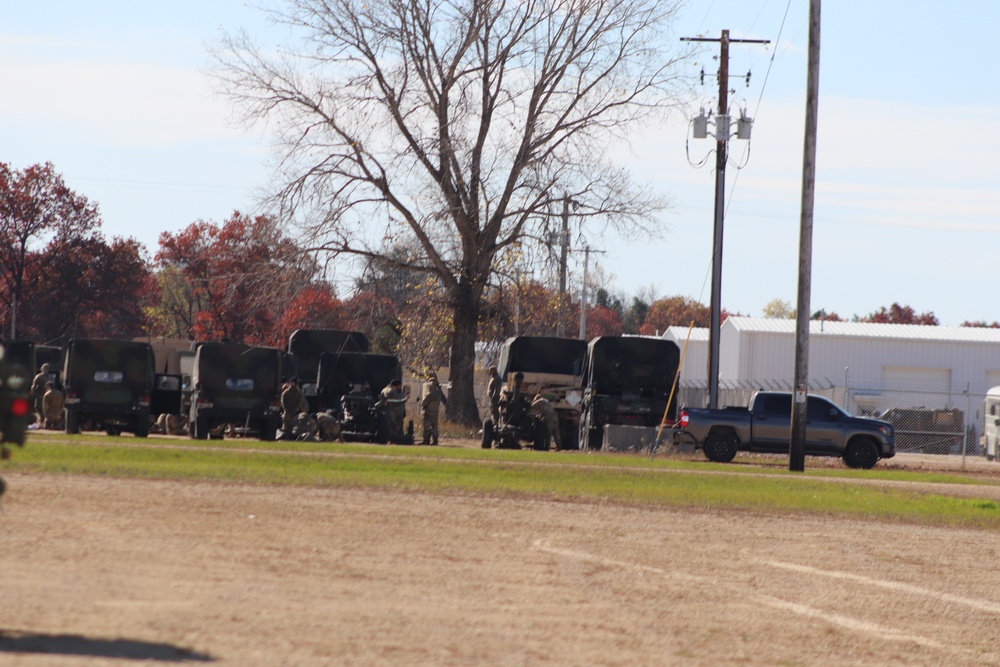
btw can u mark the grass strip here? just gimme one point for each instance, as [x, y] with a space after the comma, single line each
[527, 474]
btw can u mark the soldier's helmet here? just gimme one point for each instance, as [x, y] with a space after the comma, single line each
[493, 369]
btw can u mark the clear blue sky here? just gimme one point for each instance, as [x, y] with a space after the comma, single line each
[907, 200]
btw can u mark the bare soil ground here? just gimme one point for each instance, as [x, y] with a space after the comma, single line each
[114, 571]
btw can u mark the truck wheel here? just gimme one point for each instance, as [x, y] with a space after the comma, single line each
[720, 446]
[201, 428]
[861, 453]
[541, 440]
[487, 434]
[141, 426]
[72, 422]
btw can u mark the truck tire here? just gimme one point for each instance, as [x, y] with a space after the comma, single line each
[861, 453]
[487, 442]
[201, 428]
[141, 426]
[72, 422]
[540, 441]
[720, 446]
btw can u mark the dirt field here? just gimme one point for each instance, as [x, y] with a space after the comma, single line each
[113, 572]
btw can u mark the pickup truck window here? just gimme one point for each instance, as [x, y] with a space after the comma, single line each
[773, 405]
[820, 410]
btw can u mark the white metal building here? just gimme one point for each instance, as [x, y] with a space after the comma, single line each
[905, 356]
[694, 348]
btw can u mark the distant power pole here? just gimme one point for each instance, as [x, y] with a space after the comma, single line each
[563, 252]
[796, 447]
[721, 156]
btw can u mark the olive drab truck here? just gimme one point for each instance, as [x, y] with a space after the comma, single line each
[236, 390]
[550, 366]
[349, 385]
[305, 347]
[627, 381]
[15, 382]
[108, 384]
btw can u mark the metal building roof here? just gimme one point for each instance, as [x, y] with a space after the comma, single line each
[867, 330]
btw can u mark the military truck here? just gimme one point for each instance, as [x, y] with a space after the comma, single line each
[108, 385]
[237, 389]
[15, 409]
[550, 366]
[306, 345]
[627, 381]
[349, 384]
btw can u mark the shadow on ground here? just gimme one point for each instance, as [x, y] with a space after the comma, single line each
[29, 642]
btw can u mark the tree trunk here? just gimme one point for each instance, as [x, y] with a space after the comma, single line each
[462, 408]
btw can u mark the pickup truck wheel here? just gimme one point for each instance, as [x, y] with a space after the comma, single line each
[720, 446]
[861, 453]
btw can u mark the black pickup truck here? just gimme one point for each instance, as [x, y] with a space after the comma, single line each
[765, 426]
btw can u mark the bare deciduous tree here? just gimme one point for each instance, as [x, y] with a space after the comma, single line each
[461, 126]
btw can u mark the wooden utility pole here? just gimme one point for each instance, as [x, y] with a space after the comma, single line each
[721, 157]
[563, 252]
[796, 448]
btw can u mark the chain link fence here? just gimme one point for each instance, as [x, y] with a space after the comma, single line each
[926, 422]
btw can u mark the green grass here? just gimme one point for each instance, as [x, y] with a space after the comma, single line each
[574, 476]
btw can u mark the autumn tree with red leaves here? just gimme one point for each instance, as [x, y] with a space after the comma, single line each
[232, 282]
[36, 206]
[674, 311]
[86, 288]
[897, 314]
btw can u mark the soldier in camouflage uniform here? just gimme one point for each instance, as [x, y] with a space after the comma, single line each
[542, 409]
[38, 392]
[292, 403]
[53, 404]
[392, 403]
[493, 393]
[430, 406]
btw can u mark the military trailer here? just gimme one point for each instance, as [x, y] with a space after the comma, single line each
[237, 389]
[108, 384]
[349, 384]
[626, 382]
[306, 345]
[550, 366]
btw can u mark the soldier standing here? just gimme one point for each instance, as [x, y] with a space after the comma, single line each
[393, 402]
[542, 408]
[292, 403]
[493, 392]
[38, 392]
[430, 406]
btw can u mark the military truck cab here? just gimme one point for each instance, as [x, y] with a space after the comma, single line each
[237, 388]
[108, 384]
